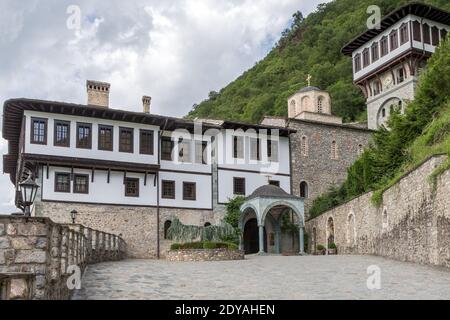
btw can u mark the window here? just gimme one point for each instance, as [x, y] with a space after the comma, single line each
[394, 40]
[375, 52]
[239, 186]
[201, 155]
[168, 189]
[357, 62]
[272, 150]
[304, 146]
[189, 191]
[320, 105]
[426, 33]
[334, 151]
[131, 187]
[84, 135]
[146, 142]
[384, 46]
[62, 133]
[105, 138]
[400, 75]
[275, 183]
[366, 58]
[376, 87]
[81, 183]
[303, 189]
[126, 141]
[38, 131]
[238, 147]
[254, 149]
[435, 36]
[184, 150]
[62, 182]
[167, 225]
[417, 35]
[404, 36]
[443, 34]
[166, 148]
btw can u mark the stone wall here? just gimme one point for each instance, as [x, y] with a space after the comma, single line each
[136, 225]
[412, 223]
[317, 168]
[35, 254]
[205, 255]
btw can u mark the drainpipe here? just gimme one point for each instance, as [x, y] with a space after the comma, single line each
[157, 199]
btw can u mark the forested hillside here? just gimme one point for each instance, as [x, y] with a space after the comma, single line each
[311, 45]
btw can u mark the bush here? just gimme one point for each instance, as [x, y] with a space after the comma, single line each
[209, 245]
[320, 247]
[175, 246]
[332, 246]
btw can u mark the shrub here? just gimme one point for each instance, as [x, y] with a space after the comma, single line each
[175, 246]
[209, 245]
[332, 246]
[320, 247]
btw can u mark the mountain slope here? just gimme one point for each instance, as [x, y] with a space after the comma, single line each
[312, 45]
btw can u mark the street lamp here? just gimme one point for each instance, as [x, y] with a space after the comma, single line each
[28, 189]
[73, 214]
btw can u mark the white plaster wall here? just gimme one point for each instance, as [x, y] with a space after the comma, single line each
[203, 190]
[100, 191]
[252, 182]
[93, 153]
[226, 160]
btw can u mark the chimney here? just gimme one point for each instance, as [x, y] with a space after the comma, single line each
[146, 100]
[98, 93]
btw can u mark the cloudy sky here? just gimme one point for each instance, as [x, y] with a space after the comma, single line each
[173, 50]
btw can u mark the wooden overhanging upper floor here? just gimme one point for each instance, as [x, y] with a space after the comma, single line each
[13, 127]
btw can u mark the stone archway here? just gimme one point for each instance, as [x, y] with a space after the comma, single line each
[251, 242]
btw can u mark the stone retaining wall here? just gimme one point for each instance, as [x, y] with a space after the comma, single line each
[204, 255]
[44, 250]
[412, 223]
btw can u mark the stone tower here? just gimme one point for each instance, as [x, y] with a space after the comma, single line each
[311, 103]
[98, 93]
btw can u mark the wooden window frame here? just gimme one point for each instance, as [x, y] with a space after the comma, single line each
[366, 57]
[186, 196]
[132, 195]
[393, 40]
[171, 196]
[236, 154]
[32, 121]
[384, 46]
[235, 181]
[258, 149]
[270, 155]
[56, 189]
[203, 145]
[88, 125]
[417, 31]
[357, 62]
[182, 143]
[404, 33]
[426, 35]
[164, 155]
[435, 36]
[86, 176]
[100, 128]
[56, 123]
[149, 149]
[375, 51]
[121, 145]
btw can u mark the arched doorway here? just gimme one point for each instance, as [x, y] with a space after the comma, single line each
[251, 237]
[330, 231]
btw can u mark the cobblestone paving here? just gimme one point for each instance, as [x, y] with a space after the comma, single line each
[267, 277]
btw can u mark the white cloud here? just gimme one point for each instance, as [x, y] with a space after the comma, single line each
[175, 51]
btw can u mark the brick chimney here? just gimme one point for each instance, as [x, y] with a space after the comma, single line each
[146, 100]
[98, 93]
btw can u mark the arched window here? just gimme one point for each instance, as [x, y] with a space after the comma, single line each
[305, 103]
[303, 189]
[292, 110]
[304, 146]
[207, 224]
[167, 225]
[334, 151]
[360, 149]
[320, 105]
[385, 220]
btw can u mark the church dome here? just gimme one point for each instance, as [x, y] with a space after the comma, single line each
[270, 191]
[306, 89]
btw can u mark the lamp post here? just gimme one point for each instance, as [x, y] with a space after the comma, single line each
[28, 189]
[73, 214]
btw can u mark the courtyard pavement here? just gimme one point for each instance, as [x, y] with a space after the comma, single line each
[265, 277]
